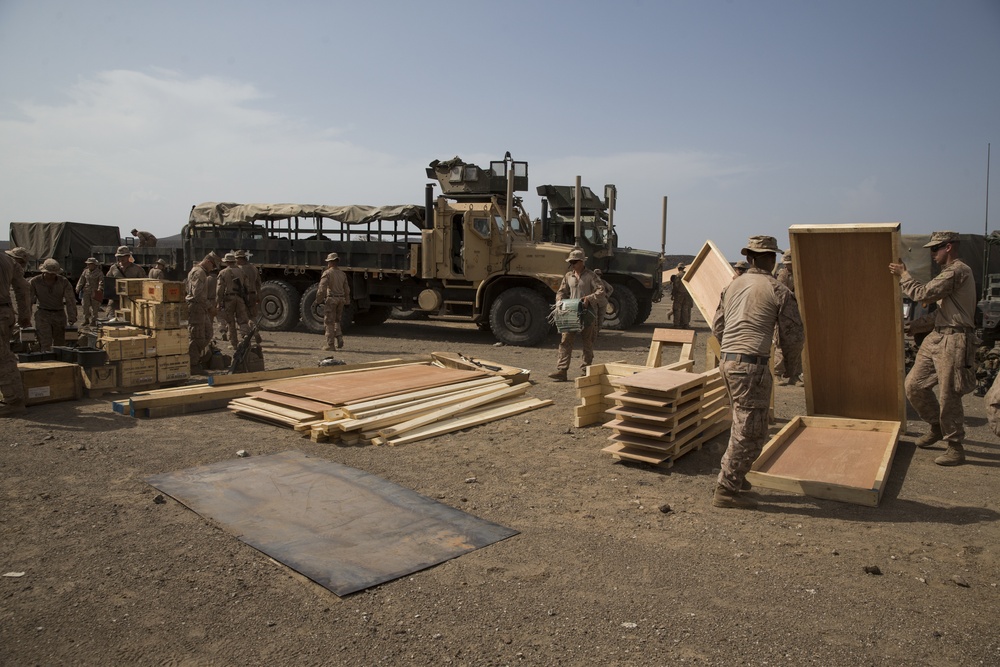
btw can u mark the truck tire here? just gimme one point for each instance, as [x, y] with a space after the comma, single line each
[622, 309]
[279, 305]
[519, 316]
[311, 311]
[645, 309]
[373, 317]
[400, 314]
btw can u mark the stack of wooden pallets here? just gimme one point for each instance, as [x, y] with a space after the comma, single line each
[662, 414]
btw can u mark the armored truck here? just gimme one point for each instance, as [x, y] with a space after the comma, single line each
[466, 255]
[636, 275]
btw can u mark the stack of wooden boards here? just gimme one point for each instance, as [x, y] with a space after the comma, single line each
[662, 414]
[154, 349]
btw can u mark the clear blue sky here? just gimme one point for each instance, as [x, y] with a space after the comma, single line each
[750, 115]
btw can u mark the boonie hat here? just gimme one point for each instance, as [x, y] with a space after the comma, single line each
[761, 244]
[742, 264]
[123, 251]
[228, 258]
[213, 258]
[576, 254]
[91, 260]
[161, 261]
[787, 257]
[938, 238]
[681, 266]
[134, 231]
[332, 257]
[240, 254]
[51, 266]
[19, 253]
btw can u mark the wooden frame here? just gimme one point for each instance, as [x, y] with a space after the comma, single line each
[706, 277]
[853, 356]
[855, 456]
[683, 338]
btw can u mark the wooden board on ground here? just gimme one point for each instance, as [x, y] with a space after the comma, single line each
[838, 459]
[853, 357]
[706, 277]
[374, 382]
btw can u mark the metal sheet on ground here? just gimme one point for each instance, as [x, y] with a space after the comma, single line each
[345, 529]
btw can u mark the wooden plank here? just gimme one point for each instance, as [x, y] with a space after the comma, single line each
[680, 338]
[473, 419]
[286, 412]
[853, 358]
[240, 378]
[351, 387]
[456, 360]
[662, 382]
[357, 408]
[451, 410]
[707, 275]
[289, 401]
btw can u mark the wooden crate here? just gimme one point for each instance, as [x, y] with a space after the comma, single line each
[126, 347]
[130, 287]
[826, 457]
[172, 368]
[163, 291]
[168, 342]
[118, 332]
[136, 372]
[50, 382]
[99, 377]
[153, 315]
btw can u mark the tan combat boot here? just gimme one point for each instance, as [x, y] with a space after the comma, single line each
[952, 456]
[12, 408]
[340, 342]
[726, 498]
[559, 376]
[929, 439]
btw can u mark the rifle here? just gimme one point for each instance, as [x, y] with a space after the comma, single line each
[240, 354]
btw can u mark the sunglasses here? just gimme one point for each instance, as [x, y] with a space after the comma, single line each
[935, 248]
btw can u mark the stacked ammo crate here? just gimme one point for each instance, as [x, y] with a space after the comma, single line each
[154, 349]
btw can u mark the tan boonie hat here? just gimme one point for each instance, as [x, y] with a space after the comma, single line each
[240, 254]
[681, 266]
[576, 254]
[742, 264]
[161, 261]
[787, 257]
[134, 231]
[228, 258]
[937, 238]
[761, 244]
[123, 251]
[19, 253]
[333, 257]
[51, 266]
[91, 260]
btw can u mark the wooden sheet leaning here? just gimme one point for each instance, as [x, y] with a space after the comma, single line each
[706, 277]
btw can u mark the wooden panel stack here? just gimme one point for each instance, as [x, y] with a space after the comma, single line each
[661, 414]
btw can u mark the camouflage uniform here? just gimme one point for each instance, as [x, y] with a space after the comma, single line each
[90, 287]
[947, 355]
[11, 278]
[335, 293]
[589, 285]
[124, 268]
[229, 301]
[992, 400]
[199, 313]
[56, 305]
[156, 273]
[750, 307]
[602, 300]
[145, 240]
[788, 368]
[681, 301]
[252, 283]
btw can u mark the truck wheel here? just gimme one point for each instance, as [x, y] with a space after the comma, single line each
[519, 316]
[312, 311]
[645, 308]
[279, 305]
[376, 315]
[622, 309]
[400, 314]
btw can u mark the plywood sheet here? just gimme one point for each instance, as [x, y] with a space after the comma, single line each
[343, 528]
[852, 310]
[706, 277]
[348, 387]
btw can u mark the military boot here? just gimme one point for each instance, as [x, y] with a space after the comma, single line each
[929, 439]
[559, 376]
[12, 408]
[340, 342]
[726, 498]
[952, 456]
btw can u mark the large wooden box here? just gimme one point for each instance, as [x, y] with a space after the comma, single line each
[825, 457]
[119, 332]
[100, 377]
[127, 347]
[50, 382]
[131, 287]
[163, 291]
[153, 315]
[136, 372]
[170, 341]
[173, 368]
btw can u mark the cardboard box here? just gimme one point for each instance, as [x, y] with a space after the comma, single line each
[50, 382]
[173, 368]
[100, 377]
[136, 372]
[155, 315]
[131, 287]
[163, 291]
[128, 347]
[170, 341]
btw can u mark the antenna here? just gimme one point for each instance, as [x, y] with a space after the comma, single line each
[986, 229]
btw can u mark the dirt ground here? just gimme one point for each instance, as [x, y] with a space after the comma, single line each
[599, 574]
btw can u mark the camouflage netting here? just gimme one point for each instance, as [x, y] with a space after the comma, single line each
[225, 213]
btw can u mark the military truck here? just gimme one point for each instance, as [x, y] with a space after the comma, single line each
[636, 275]
[466, 255]
[69, 243]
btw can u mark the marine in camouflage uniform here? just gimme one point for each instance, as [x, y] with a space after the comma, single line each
[252, 283]
[159, 271]
[579, 283]
[335, 293]
[201, 308]
[229, 300]
[750, 307]
[790, 369]
[90, 287]
[125, 267]
[992, 400]
[144, 239]
[681, 300]
[56, 305]
[11, 281]
[946, 357]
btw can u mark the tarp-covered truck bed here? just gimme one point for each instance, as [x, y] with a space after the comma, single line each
[69, 243]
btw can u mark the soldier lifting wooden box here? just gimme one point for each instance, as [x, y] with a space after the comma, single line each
[50, 382]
